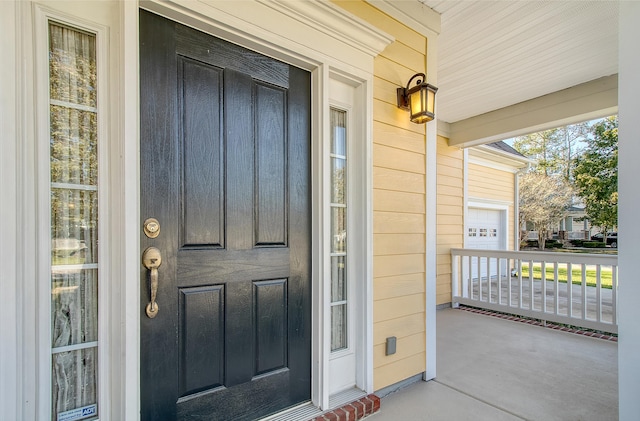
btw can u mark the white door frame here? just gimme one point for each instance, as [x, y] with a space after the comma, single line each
[338, 45]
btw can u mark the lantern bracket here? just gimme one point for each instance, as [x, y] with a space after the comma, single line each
[403, 99]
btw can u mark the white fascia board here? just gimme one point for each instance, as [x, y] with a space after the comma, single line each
[444, 129]
[494, 158]
[595, 99]
[484, 203]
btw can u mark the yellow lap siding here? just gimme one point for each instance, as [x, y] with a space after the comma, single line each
[395, 201]
[398, 264]
[400, 328]
[391, 70]
[451, 220]
[392, 222]
[450, 212]
[392, 244]
[398, 286]
[450, 200]
[391, 179]
[395, 307]
[490, 183]
[397, 138]
[399, 370]
[387, 157]
[403, 55]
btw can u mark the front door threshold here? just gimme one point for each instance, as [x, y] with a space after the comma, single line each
[350, 405]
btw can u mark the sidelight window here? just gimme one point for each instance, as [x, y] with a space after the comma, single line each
[339, 290]
[73, 144]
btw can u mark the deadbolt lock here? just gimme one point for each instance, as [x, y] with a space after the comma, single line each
[151, 227]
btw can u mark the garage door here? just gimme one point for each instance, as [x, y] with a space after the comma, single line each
[484, 231]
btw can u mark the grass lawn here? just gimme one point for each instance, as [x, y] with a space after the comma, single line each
[576, 274]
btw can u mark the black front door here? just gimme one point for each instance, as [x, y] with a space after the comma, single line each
[225, 170]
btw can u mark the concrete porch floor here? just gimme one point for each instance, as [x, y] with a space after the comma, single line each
[496, 369]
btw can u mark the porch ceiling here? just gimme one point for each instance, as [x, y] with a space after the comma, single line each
[494, 54]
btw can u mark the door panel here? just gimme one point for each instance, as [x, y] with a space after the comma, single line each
[203, 177]
[225, 168]
[202, 341]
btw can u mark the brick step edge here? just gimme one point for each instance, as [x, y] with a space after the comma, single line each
[353, 411]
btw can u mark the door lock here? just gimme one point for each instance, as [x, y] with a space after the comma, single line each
[151, 227]
[151, 259]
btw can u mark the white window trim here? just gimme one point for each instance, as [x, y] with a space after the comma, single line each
[359, 237]
[41, 287]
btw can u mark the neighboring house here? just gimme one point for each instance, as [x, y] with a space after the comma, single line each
[196, 152]
[576, 225]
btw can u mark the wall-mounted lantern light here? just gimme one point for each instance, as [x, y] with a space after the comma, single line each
[420, 100]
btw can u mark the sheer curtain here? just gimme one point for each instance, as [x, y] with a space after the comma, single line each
[74, 217]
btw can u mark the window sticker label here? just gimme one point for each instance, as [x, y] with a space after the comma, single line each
[78, 413]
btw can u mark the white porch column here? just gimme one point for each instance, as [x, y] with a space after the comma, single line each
[629, 151]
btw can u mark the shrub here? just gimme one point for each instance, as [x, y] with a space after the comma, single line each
[593, 244]
[552, 244]
[577, 243]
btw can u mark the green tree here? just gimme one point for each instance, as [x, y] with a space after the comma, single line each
[544, 200]
[543, 147]
[596, 175]
[554, 150]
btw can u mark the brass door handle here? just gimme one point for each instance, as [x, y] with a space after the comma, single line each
[151, 259]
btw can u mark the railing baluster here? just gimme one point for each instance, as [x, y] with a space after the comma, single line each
[598, 295]
[531, 285]
[584, 291]
[464, 291]
[499, 283]
[515, 266]
[556, 289]
[479, 278]
[543, 280]
[569, 290]
[614, 295]
[520, 285]
[470, 285]
[489, 279]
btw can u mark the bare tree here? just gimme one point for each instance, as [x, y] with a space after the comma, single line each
[544, 201]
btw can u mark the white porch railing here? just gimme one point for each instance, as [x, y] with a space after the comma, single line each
[568, 288]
